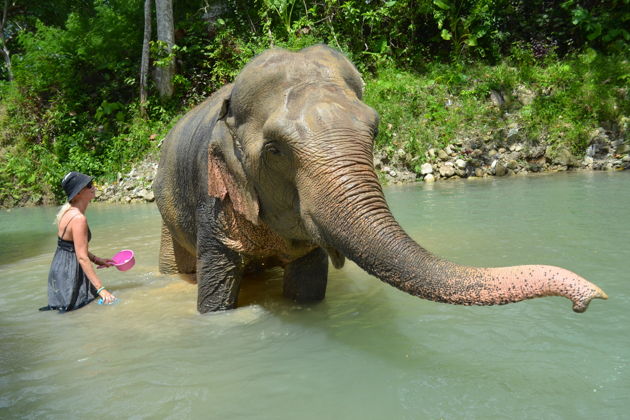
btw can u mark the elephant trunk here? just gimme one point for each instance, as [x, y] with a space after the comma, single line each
[351, 215]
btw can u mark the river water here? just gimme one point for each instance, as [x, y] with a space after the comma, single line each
[367, 351]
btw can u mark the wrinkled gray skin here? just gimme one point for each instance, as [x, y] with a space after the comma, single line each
[276, 169]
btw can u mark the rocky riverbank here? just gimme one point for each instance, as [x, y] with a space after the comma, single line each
[132, 187]
[467, 158]
[513, 155]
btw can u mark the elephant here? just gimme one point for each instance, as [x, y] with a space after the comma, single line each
[276, 169]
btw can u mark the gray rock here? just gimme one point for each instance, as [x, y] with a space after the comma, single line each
[512, 164]
[525, 95]
[623, 149]
[497, 98]
[447, 170]
[500, 169]
[536, 151]
[564, 157]
[426, 168]
[146, 195]
[461, 163]
[429, 178]
[513, 135]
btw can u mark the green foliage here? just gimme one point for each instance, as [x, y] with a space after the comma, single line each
[565, 101]
[283, 9]
[603, 23]
[430, 66]
[575, 96]
[431, 110]
[466, 23]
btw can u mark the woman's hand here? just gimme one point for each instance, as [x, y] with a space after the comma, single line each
[103, 262]
[107, 297]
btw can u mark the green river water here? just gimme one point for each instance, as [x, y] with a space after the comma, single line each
[368, 351]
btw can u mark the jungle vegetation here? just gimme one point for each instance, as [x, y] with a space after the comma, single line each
[94, 85]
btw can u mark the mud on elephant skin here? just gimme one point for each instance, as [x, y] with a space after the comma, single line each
[276, 170]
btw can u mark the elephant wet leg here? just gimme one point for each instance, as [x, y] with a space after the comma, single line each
[305, 279]
[219, 270]
[174, 259]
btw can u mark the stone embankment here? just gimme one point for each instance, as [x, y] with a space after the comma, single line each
[511, 156]
[460, 159]
[132, 187]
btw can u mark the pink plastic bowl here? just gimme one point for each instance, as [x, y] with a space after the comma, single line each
[124, 260]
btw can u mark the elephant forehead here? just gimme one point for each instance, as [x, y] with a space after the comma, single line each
[317, 103]
[325, 114]
[277, 73]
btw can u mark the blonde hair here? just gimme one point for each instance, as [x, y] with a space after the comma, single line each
[61, 212]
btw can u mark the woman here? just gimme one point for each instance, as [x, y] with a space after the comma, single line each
[72, 280]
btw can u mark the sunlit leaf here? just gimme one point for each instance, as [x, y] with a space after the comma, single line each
[442, 4]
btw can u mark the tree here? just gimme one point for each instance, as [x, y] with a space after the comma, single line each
[165, 69]
[3, 41]
[144, 64]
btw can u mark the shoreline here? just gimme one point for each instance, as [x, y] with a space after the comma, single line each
[456, 161]
[467, 160]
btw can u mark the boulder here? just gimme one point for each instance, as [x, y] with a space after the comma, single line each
[536, 152]
[513, 135]
[447, 170]
[500, 169]
[426, 168]
[512, 164]
[524, 95]
[623, 149]
[146, 195]
[497, 98]
[564, 157]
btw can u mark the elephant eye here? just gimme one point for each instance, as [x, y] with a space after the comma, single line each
[271, 148]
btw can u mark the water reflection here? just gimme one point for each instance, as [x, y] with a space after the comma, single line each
[367, 351]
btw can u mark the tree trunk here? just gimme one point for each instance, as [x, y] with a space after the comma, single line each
[144, 63]
[3, 41]
[166, 34]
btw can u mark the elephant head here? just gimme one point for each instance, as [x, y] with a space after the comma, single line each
[297, 139]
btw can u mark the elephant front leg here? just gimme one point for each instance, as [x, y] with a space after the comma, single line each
[305, 279]
[173, 257]
[219, 271]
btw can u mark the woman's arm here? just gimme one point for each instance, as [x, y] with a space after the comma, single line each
[80, 238]
[107, 262]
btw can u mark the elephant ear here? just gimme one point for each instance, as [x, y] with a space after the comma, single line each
[226, 176]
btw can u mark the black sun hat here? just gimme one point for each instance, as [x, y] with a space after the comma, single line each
[74, 182]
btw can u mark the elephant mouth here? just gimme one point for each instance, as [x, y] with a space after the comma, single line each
[336, 257]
